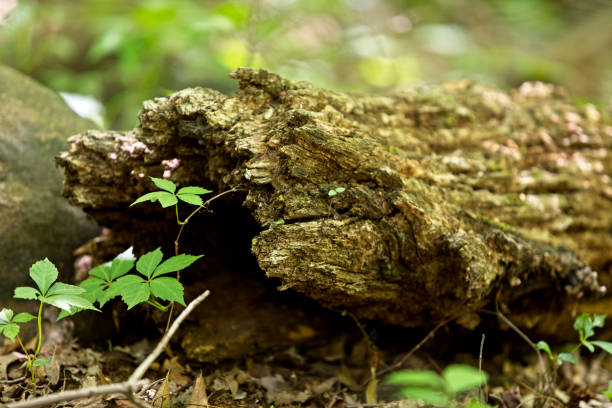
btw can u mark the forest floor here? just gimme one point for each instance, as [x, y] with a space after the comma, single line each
[330, 374]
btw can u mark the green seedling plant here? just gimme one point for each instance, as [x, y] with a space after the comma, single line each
[168, 196]
[585, 325]
[335, 191]
[439, 390]
[47, 291]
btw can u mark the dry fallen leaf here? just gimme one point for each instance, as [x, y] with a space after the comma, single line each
[162, 397]
[198, 395]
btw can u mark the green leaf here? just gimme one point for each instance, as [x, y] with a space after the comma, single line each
[123, 285]
[23, 317]
[331, 193]
[165, 199]
[164, 184]
[588, 345]
[101, 271]
[604, 345]
[26, 292]
[176, 263]
[122, 264]
[340, 189]
[427, 395]
[60, 288]
[167, 288]
[132, 288]
[149, 261]
[566, 358]
[137, 294]
[40, 362]
[460, 378]
[599, 320]
[6, 315]
[417, 378]
[65, 302]
[10, 330]
[542, 345]
[193, 190]
[191, 199]
[608, 392]
[44, 273]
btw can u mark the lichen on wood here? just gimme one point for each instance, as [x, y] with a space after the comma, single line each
[455, 196]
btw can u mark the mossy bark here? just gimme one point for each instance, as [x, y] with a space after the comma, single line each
[457, 195]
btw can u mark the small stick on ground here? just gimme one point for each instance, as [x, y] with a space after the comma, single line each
[126, 388]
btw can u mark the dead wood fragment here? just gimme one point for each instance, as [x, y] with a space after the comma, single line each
[456, 194]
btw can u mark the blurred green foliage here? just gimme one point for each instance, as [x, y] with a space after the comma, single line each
[125, 51]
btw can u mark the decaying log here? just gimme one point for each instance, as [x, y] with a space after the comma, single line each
[456, 195]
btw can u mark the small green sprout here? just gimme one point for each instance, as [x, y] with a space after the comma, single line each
[438, 390]
[585, 325]
[168, 196]
[335, 191]
[47, 290]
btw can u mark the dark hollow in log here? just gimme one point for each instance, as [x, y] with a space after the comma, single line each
[456, 195]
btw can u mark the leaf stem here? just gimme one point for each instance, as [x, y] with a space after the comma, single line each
[39, 329]
[178, 237]
[30, 361]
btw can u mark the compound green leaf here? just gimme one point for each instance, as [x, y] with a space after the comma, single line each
[193, 190]
[149, 261]
[65, 302]
[164, 184]
[60, 288]
[604, 345]
[167, 288]
[176, 263]
[460, 378]
[23, 317]
[190, 199]
[44, 273]
[26, 292]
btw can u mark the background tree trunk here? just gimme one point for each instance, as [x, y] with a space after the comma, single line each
[457, 195]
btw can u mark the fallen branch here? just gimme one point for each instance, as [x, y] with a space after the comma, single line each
[126, 388]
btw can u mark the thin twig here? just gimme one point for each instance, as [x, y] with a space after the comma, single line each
[126, 388]
[528, 341]
[480, 389]
[123, 388]
[144, 366]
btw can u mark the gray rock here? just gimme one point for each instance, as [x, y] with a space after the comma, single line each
[35, 221]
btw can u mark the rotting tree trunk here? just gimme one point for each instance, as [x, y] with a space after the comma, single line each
[456, 194]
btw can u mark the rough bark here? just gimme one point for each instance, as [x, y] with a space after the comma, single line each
[456, 195]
